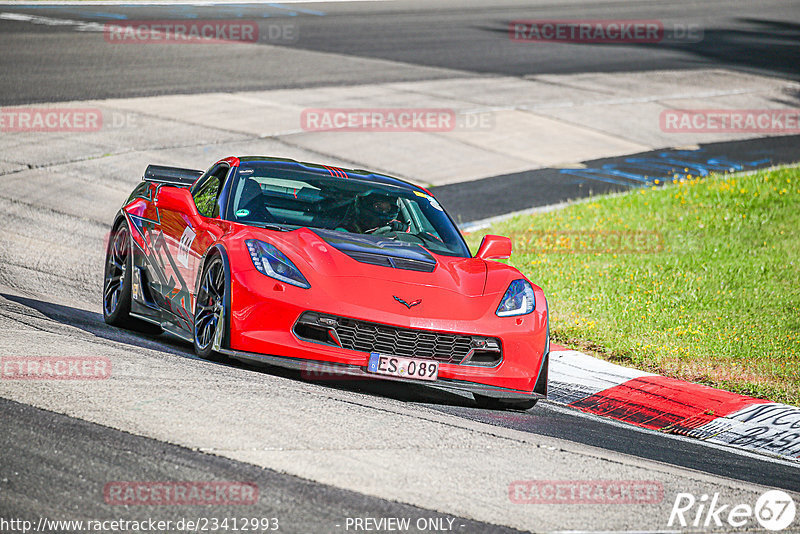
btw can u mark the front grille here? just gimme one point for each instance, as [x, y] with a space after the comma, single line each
[364, 336]
[373, 337]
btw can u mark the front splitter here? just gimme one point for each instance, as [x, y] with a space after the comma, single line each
[334, 370]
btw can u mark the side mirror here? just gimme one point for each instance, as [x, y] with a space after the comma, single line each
[176, 199]
[494, 247]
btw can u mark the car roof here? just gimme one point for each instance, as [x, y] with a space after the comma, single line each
[327, 170]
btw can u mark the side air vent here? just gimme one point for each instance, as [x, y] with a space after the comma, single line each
[390, 261]
[379, 250]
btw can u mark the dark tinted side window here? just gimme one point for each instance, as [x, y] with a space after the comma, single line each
[206, 197]
[207, 191]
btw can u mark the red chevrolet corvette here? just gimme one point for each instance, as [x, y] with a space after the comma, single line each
[309, 266]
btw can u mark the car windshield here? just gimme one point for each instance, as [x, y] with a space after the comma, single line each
[264, 195]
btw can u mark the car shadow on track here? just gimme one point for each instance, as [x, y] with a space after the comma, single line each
[402, 391]
[92, 323]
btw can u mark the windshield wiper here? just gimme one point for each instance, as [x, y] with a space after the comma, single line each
[271, 226]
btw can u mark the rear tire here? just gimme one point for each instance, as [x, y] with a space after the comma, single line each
[117, 284]
[493, 403]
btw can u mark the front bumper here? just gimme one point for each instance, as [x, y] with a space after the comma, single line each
[264, 314]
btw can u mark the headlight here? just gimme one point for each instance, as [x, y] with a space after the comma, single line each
[518, 300]
[274, 263]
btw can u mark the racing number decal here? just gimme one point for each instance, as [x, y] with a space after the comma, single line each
[185, 246]
[171, 287]
[175, 293]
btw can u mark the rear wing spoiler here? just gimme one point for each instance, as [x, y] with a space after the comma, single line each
[174, 176]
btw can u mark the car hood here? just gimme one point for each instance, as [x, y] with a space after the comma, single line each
[456, 288]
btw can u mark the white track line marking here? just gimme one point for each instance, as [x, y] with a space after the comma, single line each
[133, 3]
[79, 25]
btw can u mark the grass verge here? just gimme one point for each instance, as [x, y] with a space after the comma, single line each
[697, 280]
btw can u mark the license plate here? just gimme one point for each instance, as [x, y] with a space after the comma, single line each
[403, 367]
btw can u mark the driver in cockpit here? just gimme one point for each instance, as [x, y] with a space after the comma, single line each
[374, 212]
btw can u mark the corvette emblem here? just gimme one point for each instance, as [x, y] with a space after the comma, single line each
[407, 304]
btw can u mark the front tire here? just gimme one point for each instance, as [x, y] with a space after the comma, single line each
[208, 314]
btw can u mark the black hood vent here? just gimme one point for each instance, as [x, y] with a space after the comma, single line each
[376, 250]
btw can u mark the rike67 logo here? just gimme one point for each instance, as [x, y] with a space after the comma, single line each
[775, 510]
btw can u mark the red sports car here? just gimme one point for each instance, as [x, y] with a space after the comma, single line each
[310, 266]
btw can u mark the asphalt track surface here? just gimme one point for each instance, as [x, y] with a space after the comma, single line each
[73, 460]
[540, 188]
[67, 460]
[47, 61]
[85, 447]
